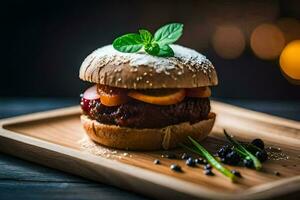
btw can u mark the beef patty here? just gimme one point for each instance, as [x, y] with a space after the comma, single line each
[137, 114]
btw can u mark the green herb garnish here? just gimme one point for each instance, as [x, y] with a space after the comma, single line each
[157, 45]
[199, 149]
[242, 151]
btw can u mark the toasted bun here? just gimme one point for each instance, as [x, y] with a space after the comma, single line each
[146, 139]
[187, 69]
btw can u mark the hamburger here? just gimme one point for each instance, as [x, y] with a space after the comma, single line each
[145, 102]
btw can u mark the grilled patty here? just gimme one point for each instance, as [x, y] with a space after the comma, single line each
[137, 114]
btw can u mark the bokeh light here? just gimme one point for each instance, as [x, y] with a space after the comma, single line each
[290, 60]
[267, 41]
[228, 41]
[290, 28]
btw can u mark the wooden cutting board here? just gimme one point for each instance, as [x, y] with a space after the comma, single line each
[56, 139]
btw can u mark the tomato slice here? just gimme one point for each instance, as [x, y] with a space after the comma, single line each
[158, 96]
[111, 96]
[200, 92]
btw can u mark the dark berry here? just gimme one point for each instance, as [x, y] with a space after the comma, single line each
[175, 168]
[185, 156]
[208, 172]
[261, 155]
[199, 161]
[236, 173]
[190, 162]
[208, 166]
[156, 162]
[248, 163]
[223, 151]
[232, 158]
[204, 161]
[258, 143]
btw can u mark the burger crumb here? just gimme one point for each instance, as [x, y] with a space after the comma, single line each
[87, 145]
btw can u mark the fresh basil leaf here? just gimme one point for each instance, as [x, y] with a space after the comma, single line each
[168, 33]
[146, 36]
[152, 49]
[165, 51]
[128, 43]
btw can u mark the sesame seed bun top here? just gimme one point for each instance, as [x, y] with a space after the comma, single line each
[187, 69]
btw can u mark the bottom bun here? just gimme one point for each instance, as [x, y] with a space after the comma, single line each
[146, 139]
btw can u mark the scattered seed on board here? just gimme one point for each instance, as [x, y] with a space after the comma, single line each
[276, 173]
[236, 173]
[169, 156]
[208, 166]
[190, 162]
[200, 161]
[185, 156]
[175, 168]
[208, 172]
[156, 162]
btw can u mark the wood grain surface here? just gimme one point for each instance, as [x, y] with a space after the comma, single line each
[52, 139]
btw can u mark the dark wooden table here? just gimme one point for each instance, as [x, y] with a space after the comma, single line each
[24, 180]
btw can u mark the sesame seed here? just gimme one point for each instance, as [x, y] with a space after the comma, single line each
[145, 74]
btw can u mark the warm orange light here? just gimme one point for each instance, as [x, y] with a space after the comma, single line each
[267, 41]
[228, 41]
[290, 60]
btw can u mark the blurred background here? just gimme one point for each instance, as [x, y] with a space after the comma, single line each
[44, 42]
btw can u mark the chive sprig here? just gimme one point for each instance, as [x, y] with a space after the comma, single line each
[242, 151]
[199, 149]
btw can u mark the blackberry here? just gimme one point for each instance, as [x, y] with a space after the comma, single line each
[258, 143]
[261, 155]
[232, 158]
[223, 151]
[248, 163]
